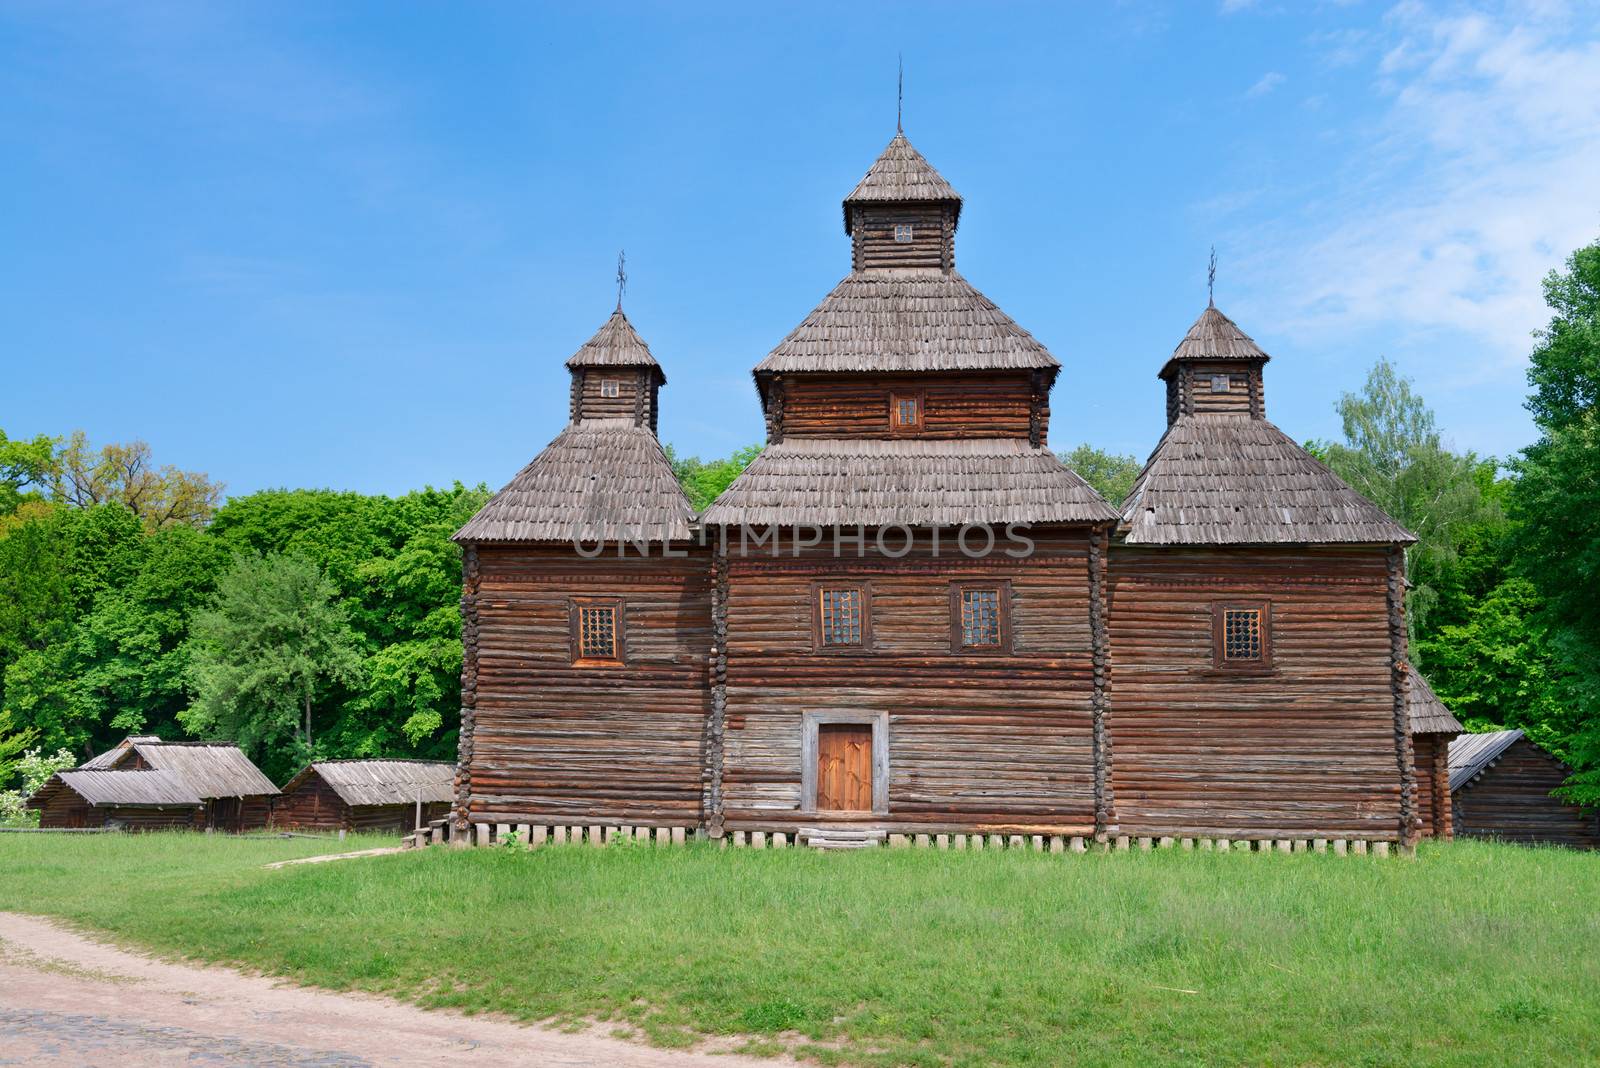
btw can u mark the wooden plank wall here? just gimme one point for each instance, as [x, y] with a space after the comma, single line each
[857, 406]
[312, 805]
[1433, 783]
[1512, 801]
[554, 743]
[1307, 751]
[873, 243]
[631, 382]
[1002, 742]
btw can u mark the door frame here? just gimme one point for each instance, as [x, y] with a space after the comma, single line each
[879, 722]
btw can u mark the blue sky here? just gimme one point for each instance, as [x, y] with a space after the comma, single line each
[351, 245]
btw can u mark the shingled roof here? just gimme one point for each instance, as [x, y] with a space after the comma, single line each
[901, 174]
[616, 344]
[1234, 480]
[599, 480]
[915, 482]
[125, 789]
[906, 320]
[1215, 338]
[1473, 754]
[210, 769]
[1428, 713]
[383, 782]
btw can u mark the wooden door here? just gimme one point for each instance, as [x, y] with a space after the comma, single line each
[844, 767]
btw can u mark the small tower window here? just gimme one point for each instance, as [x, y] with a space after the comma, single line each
[903, 233]
[596, 631]
[980, 617]
[843, 617]
[1242, 636]
[1219, 383]
[905, 411]
[610, 387]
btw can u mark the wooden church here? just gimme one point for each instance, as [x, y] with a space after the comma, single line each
[909, 617]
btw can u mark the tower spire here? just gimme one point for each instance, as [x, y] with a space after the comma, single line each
[1211, 279]
[622, 275]
[900, 93]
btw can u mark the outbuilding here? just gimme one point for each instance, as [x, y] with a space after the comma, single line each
[365, 795]
[1501, 786]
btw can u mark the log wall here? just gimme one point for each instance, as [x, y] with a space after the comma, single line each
[931, 244]
[1001, 741]
[1304, 750]
[1512, 801]
[1432, 754]
[857, 406]
[553, 742]
[1189, 390]
[635, 399]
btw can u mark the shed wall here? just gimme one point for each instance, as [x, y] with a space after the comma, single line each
[1512, 801]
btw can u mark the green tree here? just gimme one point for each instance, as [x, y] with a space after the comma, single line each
[1393, 455]
[13, 742]
[704, 480]
[1111, 474]
[273, 643]
[127, 474]
[25, 463]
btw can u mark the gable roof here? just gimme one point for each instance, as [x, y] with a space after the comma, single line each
[615, 344]
[1428, 714]
[900, 173]
[910, 319]
[1215, 338]
[101, 786]
[210, 769]
[599, 480]
[1234, 480]
[910, 481]
[1472, 754]
[383, 782]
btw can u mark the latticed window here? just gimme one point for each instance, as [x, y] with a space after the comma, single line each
[610, 387]
[841, 616]
[905, 410]
[980, 617]
[1219, 383]
[1242, 636]
[903, 233]
[597, 631]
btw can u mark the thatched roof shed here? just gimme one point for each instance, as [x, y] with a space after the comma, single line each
[901, 175]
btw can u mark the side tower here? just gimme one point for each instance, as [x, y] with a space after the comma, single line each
[911, 584]
[586, 612]
[1257, 626]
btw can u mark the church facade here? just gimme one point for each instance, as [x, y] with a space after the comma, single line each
[908, 617]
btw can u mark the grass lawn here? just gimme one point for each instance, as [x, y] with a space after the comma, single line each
[1469, 954]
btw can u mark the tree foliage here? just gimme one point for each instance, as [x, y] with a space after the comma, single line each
[126, 474]
[24, 464]
[704, 480]
[1111, 474]
[275, 641]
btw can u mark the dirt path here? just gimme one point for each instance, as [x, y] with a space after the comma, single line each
[67, 1000]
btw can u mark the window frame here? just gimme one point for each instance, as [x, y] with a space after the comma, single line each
[619, 647]
[614, 385]
[957, 645]
[810, 721]
[1221, 383]
[910, 229]
[895, 397]
[817, 644]
[1219, 615]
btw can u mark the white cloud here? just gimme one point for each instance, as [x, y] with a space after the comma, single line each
[1480, 176]
[1268, 82]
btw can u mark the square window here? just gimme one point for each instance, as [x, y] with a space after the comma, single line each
[610, 387]
[841, 617]
[596, 631]
[902, 233]
[1242, 636]
[905, 411]
[1219, 383]
[980, 617]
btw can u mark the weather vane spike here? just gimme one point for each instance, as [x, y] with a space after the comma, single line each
[1211, 279]
[900, 93]
[622, 275]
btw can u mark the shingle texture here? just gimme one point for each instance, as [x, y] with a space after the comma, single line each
[907, 320]
[850, 482]
[99, 786]
[111, 756]
[1234, 480]
[1471, 754]
[616, 344]
[599, 480]
[901, 173]
[387, 782]
[1428, 713]
[211, 769]
[1216, 338]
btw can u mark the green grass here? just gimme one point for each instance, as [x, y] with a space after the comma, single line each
[1469, 954]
